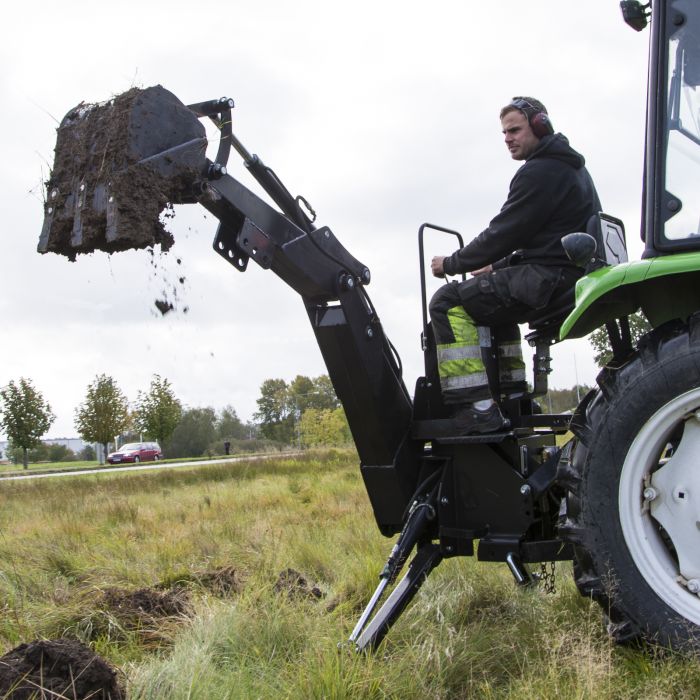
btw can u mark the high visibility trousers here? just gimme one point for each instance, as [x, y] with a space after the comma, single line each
[462, 338]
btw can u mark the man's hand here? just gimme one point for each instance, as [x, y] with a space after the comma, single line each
[482, 271]
[436, 266]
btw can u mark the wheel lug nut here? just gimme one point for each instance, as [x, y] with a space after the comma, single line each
[694, 585]
[650, 494]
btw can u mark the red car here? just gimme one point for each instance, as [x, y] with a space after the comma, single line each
[136, 452]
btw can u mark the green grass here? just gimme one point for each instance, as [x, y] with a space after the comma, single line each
[469, 633]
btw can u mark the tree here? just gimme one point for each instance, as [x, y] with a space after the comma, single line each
[104, 413]
[194, 433]
[158, 411]
[601, 343]
[325, 396]
[275, 411]
[281, 405]
[229, 426]
[324, 426]
[25, 416]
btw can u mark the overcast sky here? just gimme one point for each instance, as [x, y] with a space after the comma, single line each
[382, 114]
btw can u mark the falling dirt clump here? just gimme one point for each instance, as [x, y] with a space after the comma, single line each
[164, 306]
[144, 606]
[118, 166]
[292, 584]
[59, 669]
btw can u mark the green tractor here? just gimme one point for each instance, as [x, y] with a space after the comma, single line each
[632, 479]
[621, 499]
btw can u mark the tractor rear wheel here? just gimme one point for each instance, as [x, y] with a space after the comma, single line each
[633, 482]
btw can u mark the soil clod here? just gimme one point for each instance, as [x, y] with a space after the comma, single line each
[60, 669]
[292, 584]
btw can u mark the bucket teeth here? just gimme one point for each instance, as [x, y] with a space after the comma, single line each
[117, 166]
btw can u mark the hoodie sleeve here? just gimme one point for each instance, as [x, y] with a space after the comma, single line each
[531, 200]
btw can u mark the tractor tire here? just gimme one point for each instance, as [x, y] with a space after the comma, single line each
[632, 507]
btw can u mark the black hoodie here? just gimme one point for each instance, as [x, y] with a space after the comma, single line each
[551, 195]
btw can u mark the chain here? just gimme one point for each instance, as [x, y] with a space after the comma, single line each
[548, 577]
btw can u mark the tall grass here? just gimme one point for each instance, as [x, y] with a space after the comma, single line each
[469, 633]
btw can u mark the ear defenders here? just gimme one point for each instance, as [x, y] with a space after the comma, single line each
[540, 123]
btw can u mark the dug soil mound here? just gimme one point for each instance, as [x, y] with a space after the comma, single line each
[57, 669]
[117, 166]
[142, 607]
[292, 584]
[223, 581]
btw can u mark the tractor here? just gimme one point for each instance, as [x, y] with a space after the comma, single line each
[620, 498]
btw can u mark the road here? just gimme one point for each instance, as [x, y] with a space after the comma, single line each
[146, 467]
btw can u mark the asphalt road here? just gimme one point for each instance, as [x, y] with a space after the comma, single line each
[145, 467]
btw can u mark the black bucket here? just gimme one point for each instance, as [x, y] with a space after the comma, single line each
[118, 165]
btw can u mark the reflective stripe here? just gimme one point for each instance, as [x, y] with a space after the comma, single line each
[457, 351]
[512, 375]
[510, 350]
[484, 333]
[464, 382]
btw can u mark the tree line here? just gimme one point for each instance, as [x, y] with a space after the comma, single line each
[305, 412]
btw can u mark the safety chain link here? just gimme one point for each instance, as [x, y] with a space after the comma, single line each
[548, 576]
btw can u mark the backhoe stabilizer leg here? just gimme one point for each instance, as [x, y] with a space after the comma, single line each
[521, 573]
[425, 560]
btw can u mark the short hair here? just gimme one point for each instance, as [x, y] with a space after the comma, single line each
[533, 106]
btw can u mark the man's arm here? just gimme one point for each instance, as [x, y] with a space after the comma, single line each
[437, 267]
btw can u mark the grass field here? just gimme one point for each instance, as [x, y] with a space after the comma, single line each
[204, 548]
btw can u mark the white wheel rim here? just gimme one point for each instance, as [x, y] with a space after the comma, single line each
[680, 516]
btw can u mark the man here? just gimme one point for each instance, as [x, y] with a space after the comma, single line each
[517, 264]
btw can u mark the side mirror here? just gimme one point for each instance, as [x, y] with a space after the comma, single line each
[580, 248]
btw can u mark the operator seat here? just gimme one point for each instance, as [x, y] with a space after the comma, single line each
[610, 249]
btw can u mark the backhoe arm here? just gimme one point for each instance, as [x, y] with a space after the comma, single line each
[119, 164]
[361, 362]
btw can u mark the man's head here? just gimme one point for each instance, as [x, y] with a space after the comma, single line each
[525, 122]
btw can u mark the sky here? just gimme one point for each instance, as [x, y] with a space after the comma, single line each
[383, 115]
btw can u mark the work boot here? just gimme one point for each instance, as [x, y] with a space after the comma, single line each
[470, 419]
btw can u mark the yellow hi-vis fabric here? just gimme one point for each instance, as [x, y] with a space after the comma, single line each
[460, 364]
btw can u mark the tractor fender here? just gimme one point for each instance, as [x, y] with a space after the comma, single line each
[664, 288]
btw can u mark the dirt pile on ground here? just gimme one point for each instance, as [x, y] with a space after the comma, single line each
[223, 581]
[143, 607]
[292, 584]
[117, 166]
[57, 669]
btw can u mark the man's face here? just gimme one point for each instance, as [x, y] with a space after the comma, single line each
[520, 140]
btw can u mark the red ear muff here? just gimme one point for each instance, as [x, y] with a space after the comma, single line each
[541, 125]
[540, 122]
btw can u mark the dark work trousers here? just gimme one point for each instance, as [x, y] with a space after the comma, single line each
[465, 314]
